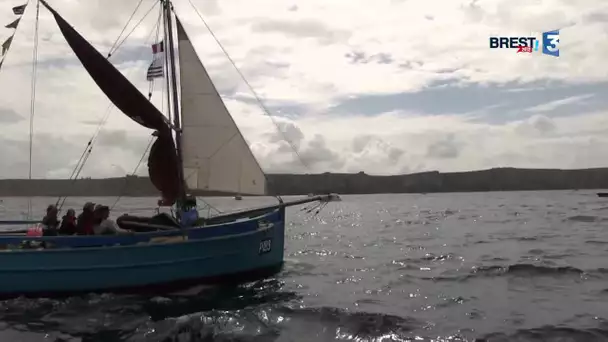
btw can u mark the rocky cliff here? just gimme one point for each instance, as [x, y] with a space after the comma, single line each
[499, 179]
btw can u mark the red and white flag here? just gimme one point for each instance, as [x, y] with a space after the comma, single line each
[157, 48]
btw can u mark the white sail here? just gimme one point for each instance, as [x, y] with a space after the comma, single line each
[215, 155]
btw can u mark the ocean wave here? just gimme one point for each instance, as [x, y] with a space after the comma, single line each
[517, 270]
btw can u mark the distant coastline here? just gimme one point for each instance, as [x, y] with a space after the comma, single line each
[497, 179]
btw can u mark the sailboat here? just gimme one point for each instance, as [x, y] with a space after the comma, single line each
[201, 149]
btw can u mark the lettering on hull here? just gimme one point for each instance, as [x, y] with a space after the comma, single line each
[265, 246]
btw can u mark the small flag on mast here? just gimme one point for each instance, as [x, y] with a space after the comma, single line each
[157, 48]
[18, 10]
[13, 24]
[7, 44]
[155, 69]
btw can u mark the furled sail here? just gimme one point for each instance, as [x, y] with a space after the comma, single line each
[163, 167]
[162, 162]
[215, 155]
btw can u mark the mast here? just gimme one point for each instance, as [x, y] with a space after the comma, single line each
[166, 63]
[176, 115]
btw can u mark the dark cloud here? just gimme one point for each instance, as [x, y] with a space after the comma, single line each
[287, 131]
[445, 148]
[473, 12]
[543, 124]
[314, 155]
[363, 144]
[9, 116]
[317, 152]
[359, 57]
[537, 125]
[596, 18]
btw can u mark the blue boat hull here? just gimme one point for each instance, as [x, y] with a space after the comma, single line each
[228, 252]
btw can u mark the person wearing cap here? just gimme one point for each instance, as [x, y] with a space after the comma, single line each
[85, 221]
[189, 214]
[50, 221]
[106, 226]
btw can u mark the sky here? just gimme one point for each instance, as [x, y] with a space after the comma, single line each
[383, 87]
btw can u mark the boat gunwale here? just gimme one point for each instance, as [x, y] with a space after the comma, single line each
[186, 240]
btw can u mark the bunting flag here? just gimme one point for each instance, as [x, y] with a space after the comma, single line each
[155, 69]
[13, 24]
[18, 10]
[1, 63]
[7, 44]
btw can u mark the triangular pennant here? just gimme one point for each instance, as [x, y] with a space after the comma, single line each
[6, 44]
[13, 24]
[1, 63]
[18, 10]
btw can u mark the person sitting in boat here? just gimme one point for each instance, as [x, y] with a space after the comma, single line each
[189, 215]
[50, 221]
[68, 223]
[85, 221]
[107, 226]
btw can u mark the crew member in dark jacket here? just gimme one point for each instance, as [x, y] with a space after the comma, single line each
[86, 220]
[68, 223]
[50, 221]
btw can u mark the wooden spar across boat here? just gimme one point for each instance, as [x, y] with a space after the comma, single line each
[208, 152]
[229, 216]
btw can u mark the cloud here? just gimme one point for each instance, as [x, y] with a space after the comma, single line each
[546, 107]
[8, 115]
[304, 28]
[444, 148]
[384, 87]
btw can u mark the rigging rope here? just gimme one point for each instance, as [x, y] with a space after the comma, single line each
[258, 99]
[33, 101]
[133, 29]
[124, 28]
[152, 83]
[89, 146]
[134, 172]
[151, 89]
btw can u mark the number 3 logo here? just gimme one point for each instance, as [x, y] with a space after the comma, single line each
[551, 43]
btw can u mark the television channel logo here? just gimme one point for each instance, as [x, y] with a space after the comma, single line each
[529, 44]
[551, 43]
